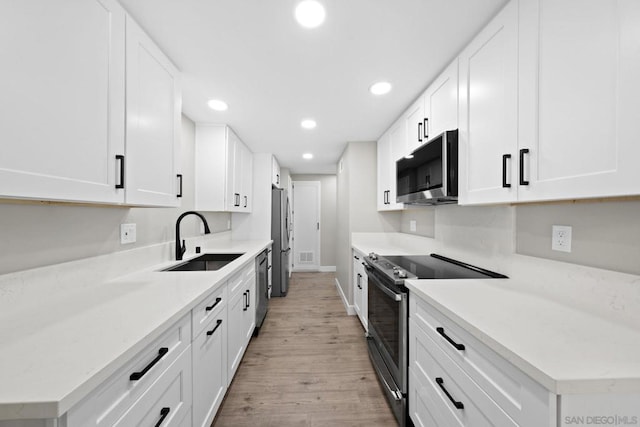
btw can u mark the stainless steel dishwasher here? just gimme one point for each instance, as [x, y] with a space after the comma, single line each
[262, 290]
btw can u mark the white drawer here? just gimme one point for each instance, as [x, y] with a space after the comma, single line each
[167, 402]
[207, 310]
[522, 398]
[438, 375]
[111, 399]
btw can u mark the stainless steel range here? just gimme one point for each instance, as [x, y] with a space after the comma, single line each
[388, 314]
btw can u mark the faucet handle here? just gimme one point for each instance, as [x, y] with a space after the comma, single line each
[183, 247]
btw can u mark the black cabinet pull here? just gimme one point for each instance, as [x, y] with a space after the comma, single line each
[137, 375]
[457, 404]
[248, 298]
[218, 323]
[244, 301]
[277, 179]
[356, 257]
[245, 201]
[358, 281]
[452, 342]
[164, 412]
[419, 132]
[425, 128]
[522, 153]
[120, 158]
[180, 185]
[505, 157]
[209, 308]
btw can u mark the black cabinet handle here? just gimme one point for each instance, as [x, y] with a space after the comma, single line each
[248, 298]
[457, 404]
[209, 308]
[356, 257]
[218, 323]
[425, 128]
[419, 132]
[244, 301]
[364, 263]
[277, 179]
[245, 201]
[358, 281]
[179, 186]
[120, 158]
[505, 157]
[137, 375]
[522, 153]
[452, 342]
[164, 412]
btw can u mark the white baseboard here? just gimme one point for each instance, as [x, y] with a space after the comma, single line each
[351, 311]
[327, 268]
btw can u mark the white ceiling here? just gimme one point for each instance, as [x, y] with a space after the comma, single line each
[273, 73]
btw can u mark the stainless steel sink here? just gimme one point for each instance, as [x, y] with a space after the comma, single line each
[205, 262]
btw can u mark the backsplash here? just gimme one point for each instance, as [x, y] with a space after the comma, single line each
[605, 234]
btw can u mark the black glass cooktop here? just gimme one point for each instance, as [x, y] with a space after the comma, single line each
[438, 267]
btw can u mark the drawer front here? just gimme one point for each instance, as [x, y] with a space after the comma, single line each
[110, 400]
[167, 402]
[202, 314]
[444, 385]
[209, 352]
[497, 377]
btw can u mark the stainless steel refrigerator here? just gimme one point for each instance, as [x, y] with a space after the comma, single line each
[280, 236]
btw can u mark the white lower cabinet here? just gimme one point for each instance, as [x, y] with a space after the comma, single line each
[360, 288]
[159, 373]
[242, 317]
[455, 380]
[210, 368]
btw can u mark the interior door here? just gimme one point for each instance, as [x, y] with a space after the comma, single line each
[306, 225]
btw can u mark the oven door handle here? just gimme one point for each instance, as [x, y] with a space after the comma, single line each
[387, 291]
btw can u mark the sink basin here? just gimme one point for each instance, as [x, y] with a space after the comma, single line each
[206, 262]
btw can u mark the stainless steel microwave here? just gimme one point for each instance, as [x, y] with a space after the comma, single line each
[429, 175]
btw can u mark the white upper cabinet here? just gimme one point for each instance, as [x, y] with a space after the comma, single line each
[391, 145]
[70, 70]
[275, 173]
[488, 112]
[153, 123]
[62, 102]
[415, 119]
[224, 170]
[441, 103]
[579, 98]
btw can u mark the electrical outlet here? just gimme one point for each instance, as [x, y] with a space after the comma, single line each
[412, 225]
[127, 233]
[561, 238]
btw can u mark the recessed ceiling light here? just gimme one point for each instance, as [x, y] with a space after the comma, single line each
[308, 123]
[380, 88]
[310, 13]
[307, 156]
[216, 104]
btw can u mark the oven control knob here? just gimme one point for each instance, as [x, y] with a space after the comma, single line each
[373, 256]
[402, 274]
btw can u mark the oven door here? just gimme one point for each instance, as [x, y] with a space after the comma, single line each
[387, 317]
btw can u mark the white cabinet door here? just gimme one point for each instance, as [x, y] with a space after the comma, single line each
[235, 337]
[62, 102]
[441, 103]
[488, 96]
[415, 118]
[580, 98]
[249, 320]
[246, 186]
[360, 288]
[383, 162]
[209, 369]
[153, 123]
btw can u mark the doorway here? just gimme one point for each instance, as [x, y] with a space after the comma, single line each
[306, 225]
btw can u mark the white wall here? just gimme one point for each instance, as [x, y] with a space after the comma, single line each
[328, 215]
[37, 234]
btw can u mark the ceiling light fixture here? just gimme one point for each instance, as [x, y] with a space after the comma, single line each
[308, 123]
[216, 104]
[380, 88]
[310, 13]
[307, 156]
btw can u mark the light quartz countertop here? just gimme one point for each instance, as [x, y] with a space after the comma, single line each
[58, 344]
[573, 329]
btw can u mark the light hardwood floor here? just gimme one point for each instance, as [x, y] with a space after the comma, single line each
[308, 367]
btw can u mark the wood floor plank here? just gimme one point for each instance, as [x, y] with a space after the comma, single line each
[308, 367]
